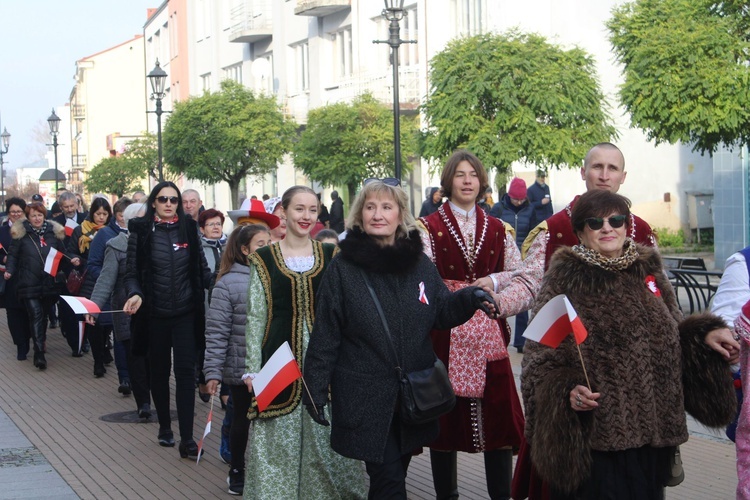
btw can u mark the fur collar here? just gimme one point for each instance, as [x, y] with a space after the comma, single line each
[18, 230]
[364, 252]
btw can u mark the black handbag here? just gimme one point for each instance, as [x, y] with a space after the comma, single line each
[425, 394]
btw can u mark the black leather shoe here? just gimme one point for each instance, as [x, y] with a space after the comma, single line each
[53, 324]
[124, 388]
[99, 370]
[145, 412]
[77, 354]
[166, 438]
[188, 448]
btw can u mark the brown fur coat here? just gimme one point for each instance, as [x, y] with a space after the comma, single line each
[648, 367]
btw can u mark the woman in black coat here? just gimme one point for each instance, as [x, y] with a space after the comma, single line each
[33, 240]
[18, 320]
[165, 281]
[349, 350]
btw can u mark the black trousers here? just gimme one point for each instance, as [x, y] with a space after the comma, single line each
[37, 309]
[139, 376]
[388, 479]
[18, 324]
[166, 335]
[69, 326]
[98, 335]
[241, 400]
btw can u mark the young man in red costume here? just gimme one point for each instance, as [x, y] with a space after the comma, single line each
[470, 248]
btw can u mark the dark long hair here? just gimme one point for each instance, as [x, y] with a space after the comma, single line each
[151, 211]
[98, 203]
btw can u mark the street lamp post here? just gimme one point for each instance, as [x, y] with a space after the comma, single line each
[394, 12]
[54, 129]
[3, 149]
[158, 78]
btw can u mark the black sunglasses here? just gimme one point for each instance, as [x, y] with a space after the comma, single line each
[596, 223]
[171, 199]
[388, 181]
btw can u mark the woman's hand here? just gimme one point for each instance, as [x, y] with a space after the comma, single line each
[7, 275]
[582, 399]
[211, 386]
[75, 261]
[724, 342]
[90, 319]
[485, 283]
[132, 304]
[249, 383]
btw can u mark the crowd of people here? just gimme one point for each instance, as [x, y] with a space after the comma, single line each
[355, 296]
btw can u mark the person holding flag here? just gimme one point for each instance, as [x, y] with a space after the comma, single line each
[288, 454]
[605, 408]
[33, 261]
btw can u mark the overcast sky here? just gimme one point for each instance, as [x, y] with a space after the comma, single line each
[40, 41]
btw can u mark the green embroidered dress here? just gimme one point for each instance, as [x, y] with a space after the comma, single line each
[288, 454]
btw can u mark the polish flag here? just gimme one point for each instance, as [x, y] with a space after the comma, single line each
[555, 321]
[275, 376]
[81, 305]
[205, 432]
[70, 225]
[52, 263]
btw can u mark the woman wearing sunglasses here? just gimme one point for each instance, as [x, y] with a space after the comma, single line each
[165, 280]
[616, 438]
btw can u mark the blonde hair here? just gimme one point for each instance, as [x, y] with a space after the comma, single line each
[378, 188]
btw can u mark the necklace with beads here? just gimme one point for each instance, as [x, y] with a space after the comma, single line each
[470, 256]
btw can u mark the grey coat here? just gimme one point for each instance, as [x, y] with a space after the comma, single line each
[348, 348]
[109, 286]
[225, 327]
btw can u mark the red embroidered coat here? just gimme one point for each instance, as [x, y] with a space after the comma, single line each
[495, 420]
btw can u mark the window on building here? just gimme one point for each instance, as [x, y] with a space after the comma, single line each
[233, 72]
[206, 81]
[301, 57]
[342, 47]
[470, 16]
[174, 44]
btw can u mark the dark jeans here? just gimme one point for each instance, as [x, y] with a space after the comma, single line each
[69, 326]
[168, 336]
[121, 361]
[522, 321]
[19, 326]
[241, 400]
[388, 479]
[139, 375]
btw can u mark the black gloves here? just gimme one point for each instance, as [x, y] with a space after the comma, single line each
[318, 413]
[482, 300]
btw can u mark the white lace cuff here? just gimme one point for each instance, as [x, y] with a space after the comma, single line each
[250, 376]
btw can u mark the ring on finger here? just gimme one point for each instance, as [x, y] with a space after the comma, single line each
[736, 336]
[578, 403]
[578, 397]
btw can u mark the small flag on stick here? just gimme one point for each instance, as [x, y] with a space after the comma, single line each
[52, 262]
[555, 321]
[81, 305]
[280, 370]
[70, 225]
[206, 432]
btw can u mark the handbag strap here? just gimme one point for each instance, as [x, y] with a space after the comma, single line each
[382, 318]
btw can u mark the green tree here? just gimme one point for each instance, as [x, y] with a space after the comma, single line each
[123, 174]
[227, 136]
[345, 143]
[115, 175]
[686, 74]
[514, 97]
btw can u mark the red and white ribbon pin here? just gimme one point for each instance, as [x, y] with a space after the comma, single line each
[422, 295]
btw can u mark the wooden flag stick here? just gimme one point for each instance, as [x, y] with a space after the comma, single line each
[588, 383]
[309, 395]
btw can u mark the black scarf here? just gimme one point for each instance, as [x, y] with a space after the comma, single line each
[362, 250]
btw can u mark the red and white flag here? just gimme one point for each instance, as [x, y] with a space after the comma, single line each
[279, 371]
[81, 305]
[70, 225]
[52, 263]
[555, 321]
[205, 432]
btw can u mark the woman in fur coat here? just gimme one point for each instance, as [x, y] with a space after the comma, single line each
[33, 239]
[646, 366]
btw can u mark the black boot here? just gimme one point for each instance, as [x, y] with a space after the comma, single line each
[39, 360]
[498, 467]
[444, 474]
